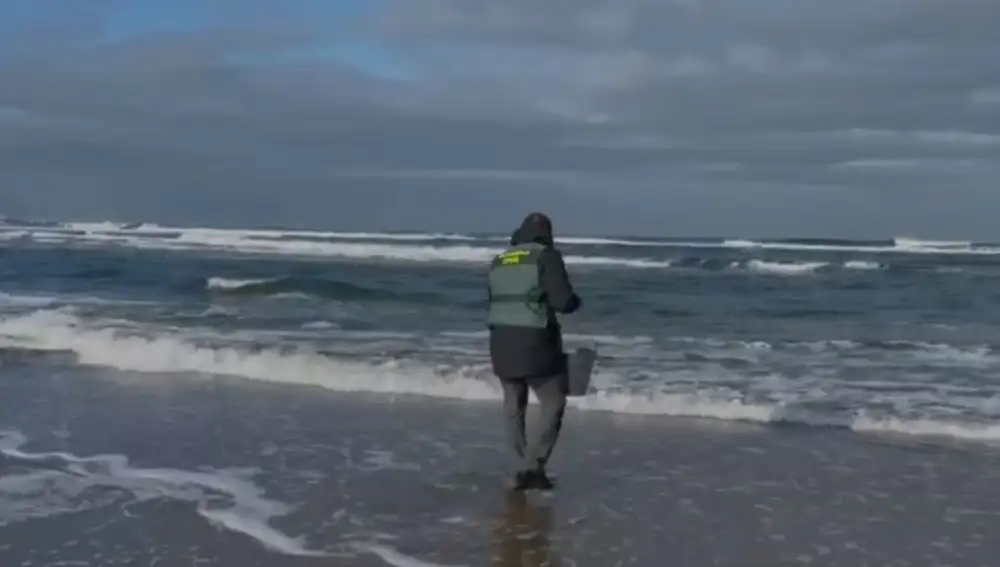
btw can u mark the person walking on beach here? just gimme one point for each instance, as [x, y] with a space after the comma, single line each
[528, 285]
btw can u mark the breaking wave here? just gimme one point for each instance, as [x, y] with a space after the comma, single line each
[773, 267]
[155, 352]
[313, 287]
[896, 245]
[321, 287]
[437, 247]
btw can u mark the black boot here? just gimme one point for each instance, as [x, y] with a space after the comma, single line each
[540, 480]
[523, 480]
[532, 479]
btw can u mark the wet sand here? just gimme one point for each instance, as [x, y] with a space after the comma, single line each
[238, 473]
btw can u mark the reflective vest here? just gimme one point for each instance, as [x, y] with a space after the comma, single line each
[516, 296]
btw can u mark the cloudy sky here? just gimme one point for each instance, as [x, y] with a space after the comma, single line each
[856, 118]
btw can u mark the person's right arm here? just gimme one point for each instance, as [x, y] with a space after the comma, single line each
[555, 282]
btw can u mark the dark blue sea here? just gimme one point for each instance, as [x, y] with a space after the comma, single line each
[126, 352]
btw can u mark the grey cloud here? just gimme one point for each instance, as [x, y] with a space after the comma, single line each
[768, 60]
[756, 82]
[684, 117]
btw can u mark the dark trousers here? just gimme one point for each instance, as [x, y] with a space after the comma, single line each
[551, 394]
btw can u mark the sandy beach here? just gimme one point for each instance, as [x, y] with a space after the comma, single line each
[180, 471]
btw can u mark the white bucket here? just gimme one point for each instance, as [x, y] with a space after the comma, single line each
[580, 368]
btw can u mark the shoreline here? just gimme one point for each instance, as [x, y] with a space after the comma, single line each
[345, 479]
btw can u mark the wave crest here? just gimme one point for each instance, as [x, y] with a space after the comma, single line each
[158, 353]
[313, 287]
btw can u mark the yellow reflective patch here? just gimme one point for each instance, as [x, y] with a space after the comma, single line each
[513, 257]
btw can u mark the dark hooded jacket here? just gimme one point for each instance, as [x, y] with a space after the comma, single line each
[526, 353]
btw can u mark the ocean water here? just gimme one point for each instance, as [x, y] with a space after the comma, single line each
[897, 337]
[322, 394]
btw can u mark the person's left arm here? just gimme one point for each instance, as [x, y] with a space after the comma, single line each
[556, 283]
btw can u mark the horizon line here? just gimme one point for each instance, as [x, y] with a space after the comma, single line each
[134, 225]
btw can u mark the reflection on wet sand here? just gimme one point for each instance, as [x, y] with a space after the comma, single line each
[522, 536]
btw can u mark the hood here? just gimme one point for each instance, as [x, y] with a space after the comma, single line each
[535, 227]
